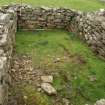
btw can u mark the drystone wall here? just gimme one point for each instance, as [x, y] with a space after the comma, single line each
[44, 18]
[90, 27]
[7, 39]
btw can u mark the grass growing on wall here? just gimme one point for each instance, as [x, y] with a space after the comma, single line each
[77, 63]
[86, 5]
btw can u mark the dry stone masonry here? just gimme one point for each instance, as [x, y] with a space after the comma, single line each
[42, 17]
[90, 27]
[7, 39]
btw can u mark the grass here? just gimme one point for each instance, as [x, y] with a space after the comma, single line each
[34, 97]
[85, 5]
[28, 95]
[76, 65]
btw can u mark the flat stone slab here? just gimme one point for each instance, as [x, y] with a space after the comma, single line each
[47, 79]
[48, 88]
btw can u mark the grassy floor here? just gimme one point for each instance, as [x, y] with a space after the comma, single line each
[80, 72]
[86, 5]
[76, 65]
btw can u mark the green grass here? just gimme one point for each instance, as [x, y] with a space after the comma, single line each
[86, 5]
[77, 63]
[28, 95]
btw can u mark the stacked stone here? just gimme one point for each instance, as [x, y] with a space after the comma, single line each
[72, 26]
[91, 28]
[7, 33]
[43, 18]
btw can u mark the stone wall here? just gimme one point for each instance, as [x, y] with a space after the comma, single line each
[43, 17]
[90, 27]
[7, 39]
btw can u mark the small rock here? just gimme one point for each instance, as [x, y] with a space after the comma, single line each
[66, 101]
[47, 79]
[16, 66]
[39, 89]
[102, 10]
[48, 88]
[25, 97]
[57, 60]
[100, 102]
[92, 78]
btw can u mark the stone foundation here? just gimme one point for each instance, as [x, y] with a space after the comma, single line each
[90, 27]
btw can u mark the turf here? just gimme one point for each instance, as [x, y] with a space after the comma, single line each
[76, 67]
[85, 5]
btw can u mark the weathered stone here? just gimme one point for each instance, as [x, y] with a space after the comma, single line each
[100, 102]
[5, 18]
[48, 88]
[47, 79]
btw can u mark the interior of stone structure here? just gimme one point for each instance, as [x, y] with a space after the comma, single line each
[51, 56]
